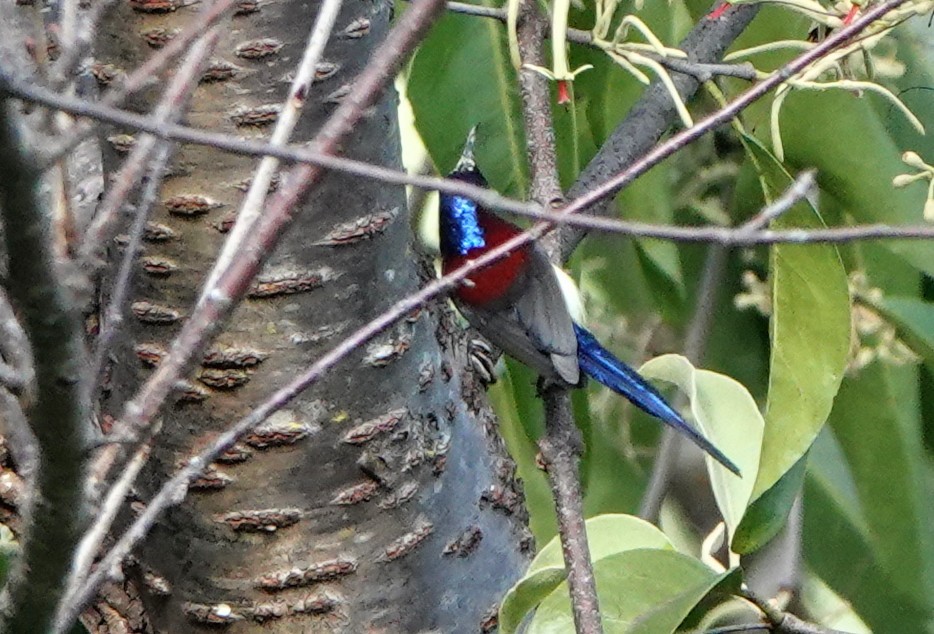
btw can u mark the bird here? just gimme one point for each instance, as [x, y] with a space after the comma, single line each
[517, 304]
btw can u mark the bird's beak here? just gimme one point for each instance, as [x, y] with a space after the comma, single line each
[467, 162]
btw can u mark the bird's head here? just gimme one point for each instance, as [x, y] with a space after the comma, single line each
[466, 168]
[459, 225]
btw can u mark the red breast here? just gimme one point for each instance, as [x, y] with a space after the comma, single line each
[492, 282]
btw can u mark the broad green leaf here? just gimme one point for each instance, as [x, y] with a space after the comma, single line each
[837, 547]
[606, 535]
[860, 176]
[883, 448]
[728, 416]
[916, 52]
[914, 320]
[639, 591]
[462, 76]
[766, 515]
[810, 333]
[848, 137]
[659, 619]
[515, 409]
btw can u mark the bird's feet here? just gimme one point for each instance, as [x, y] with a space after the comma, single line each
[483, 358]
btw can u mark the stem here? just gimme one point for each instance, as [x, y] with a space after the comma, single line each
[561, 449]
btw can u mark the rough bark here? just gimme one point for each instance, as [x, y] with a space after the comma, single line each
[382, 500]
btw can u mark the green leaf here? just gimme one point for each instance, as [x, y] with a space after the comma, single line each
[661, 263]
[517, 407]
[606, 534]
[728, 416]
[914, 320]
[810, 333]
[660, 617]
[882, 445]
[462, 76]
[767, 513]
[860, 175]
[647, 591]
[837, 546]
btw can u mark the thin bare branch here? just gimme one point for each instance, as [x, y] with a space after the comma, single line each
[60, 415]
[803, 185]
[700, 71]
[608, 188]
[71, 605]
[77, 41]
[725, 236]
[784, 622]
[561, 445]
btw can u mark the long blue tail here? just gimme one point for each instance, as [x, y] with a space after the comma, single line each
[599, 363]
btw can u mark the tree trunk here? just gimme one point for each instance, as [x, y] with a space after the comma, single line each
[382, 498]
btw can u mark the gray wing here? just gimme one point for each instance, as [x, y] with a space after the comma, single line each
[503, 330]
[542, 312]
[535, 327]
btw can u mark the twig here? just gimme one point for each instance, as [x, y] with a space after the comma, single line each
[700, 71]
[561, 448]
[728, 236]
[77, 42]
[72, 603]
[784, 622]
[724, 236]
[545, 187]
[59, 417]
[561, 445]
[803, 185]
[150, 153]
[298, 94]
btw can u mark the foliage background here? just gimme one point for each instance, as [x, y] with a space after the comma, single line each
[867, 538]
